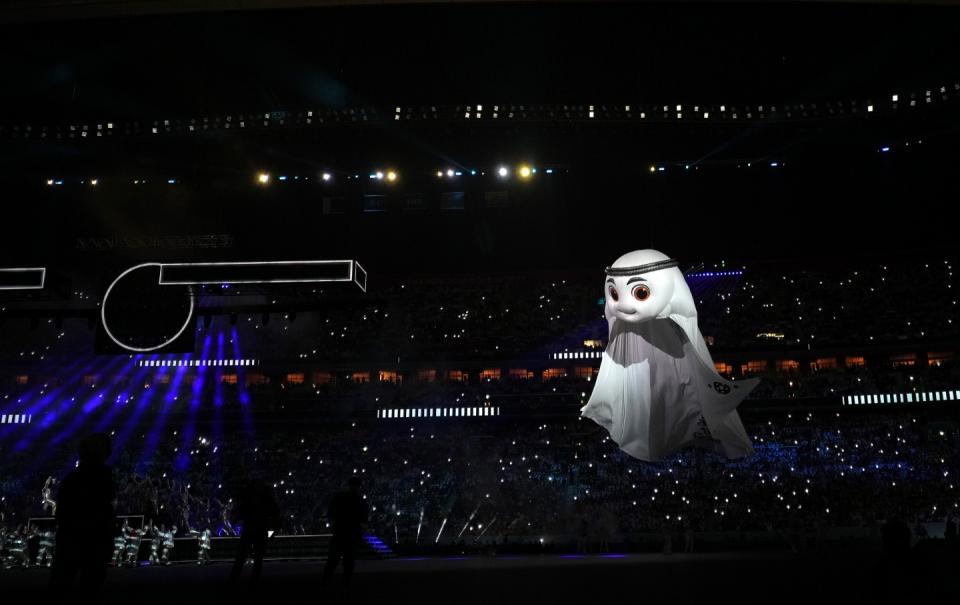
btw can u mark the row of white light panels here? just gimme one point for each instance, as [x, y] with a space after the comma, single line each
[925, 397]
[396, 413]
[579, 355]
[196, 363]
[16, 418]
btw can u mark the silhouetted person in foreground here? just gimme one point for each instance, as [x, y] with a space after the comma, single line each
[85, 521]
[348, 512]
[258, 510]
[901, 575]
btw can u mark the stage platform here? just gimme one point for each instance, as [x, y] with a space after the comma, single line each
[540, 579]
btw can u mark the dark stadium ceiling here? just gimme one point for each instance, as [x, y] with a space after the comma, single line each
[20, 11]
[205, 63]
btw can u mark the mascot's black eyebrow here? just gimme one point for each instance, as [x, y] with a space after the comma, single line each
[629, 281]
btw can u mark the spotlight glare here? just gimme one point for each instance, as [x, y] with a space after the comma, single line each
[391, 176]
[326, 176]
[263, 178]
[93, 182]
[439, 174]
[449, 172]
[524, 171]
[503, 172]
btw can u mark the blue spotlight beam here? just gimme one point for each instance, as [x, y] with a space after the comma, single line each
[182, 462]
[43, 392]
[47, 412]
[242, 393]
[81, 415]
[156, 431]
[143, 403]
[218, 401]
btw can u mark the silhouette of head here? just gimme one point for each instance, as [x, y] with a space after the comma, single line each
[896, 537]
[95, 449]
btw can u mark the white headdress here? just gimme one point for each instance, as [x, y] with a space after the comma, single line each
[658, 390]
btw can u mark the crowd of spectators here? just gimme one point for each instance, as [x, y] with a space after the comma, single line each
[518, 480]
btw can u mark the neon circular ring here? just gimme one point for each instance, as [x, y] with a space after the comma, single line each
[103, 314]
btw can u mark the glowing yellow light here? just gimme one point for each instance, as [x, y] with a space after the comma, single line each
[263, 178]
[653, 169]
[439, 173]
[93, 182]
[391, 175]
[524, 172]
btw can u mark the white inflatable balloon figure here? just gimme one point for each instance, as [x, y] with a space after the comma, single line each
[658, 390]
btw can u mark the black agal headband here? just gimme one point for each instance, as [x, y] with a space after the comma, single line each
[660, 264]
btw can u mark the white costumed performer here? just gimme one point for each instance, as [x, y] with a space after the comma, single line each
[658, 390]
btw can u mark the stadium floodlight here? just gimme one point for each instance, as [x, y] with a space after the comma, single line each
[326, 176]
[503, 172]
[524, 171]
[450, 172]
[391, 176]
[263, 178]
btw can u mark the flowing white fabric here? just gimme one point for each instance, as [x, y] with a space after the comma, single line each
[657, 390]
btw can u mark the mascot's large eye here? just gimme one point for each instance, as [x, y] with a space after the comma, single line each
[641, 292]
[613, 294]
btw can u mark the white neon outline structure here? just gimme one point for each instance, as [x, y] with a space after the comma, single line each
[357, 268]
[103, 313]
[43, 277]
[353, 269]
[349, 277]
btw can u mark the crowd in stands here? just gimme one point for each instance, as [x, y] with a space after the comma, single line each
[513, 480]
[523, 316]
[186, 438]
